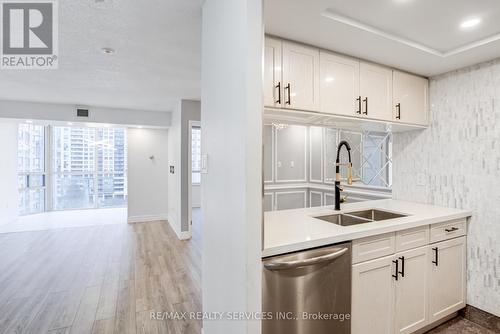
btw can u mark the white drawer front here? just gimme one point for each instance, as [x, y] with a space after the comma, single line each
[373, 247]
[412, 238]
[448, 230]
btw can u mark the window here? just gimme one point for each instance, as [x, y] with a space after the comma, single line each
[31, 168]
[86, 168]
[196, 155]
[90, 168]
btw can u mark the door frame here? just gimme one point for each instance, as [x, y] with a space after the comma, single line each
[189, 178]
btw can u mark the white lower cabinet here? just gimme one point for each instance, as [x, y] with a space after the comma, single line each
[372, 309]
[447, 272]
[406, 291]
[411, 290]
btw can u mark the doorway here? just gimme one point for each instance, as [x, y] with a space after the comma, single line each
[194, 176]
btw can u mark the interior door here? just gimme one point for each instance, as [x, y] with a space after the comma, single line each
[273, 86]
[300, 77]
[376, 91]
[410, 98]
[411, 290]
[339, 85]
[447, 277]
[373, 296]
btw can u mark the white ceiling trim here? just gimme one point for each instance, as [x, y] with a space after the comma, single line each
[330, 14]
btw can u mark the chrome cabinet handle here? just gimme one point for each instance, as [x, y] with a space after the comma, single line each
[279, 93]
[398, 108]
[359, 105]
[366, 105]
[453, 229]
[278, 265]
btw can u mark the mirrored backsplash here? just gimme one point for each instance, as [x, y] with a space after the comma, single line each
[299, 165]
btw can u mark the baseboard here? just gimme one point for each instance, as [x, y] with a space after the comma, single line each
[146, 218]
[181, 235]
[482, 318]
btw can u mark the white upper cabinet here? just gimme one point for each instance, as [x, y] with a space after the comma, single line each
[447, 291]
[410, 98]
[411, 290]
[339, 84]
[304, 78]
[300, 77]
[272, 73]
[376, 91]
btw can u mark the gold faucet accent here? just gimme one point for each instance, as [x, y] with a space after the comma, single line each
[338, 177]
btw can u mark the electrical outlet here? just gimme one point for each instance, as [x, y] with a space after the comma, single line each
[292, 164]
[278, 164]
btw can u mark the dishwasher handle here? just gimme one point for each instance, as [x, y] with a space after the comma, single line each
[283, 265]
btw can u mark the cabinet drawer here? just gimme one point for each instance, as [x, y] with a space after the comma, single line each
[373, 247]
[412, 238]
[448, 230]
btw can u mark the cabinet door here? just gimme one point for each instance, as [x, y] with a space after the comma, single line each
[300, 77]
[373, 296]
[339, 84]
[376, 91]
[273, 90]
[412, 290]
[447, 277]
[410, 98]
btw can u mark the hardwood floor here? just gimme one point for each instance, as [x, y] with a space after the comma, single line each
[101, 279]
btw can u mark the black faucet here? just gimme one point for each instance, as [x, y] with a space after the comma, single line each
[338, 188]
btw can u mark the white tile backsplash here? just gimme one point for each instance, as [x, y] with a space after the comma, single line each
[458, 158]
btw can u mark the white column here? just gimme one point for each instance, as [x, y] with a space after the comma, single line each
[231, 120]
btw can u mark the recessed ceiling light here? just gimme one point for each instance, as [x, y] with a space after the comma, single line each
[108, 51]
[69, 123]
[29, 121]
[470, 23]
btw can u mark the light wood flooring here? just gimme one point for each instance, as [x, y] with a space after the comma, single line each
[101, 279]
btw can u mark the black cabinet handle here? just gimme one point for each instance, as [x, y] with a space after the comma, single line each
[359, 105]
[366, 105]
[402, 272]
[279, 92]
[436, 254]
[398, 108]
[397, 270]
[453, 229]
[289, 101]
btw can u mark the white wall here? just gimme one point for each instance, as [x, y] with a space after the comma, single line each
[174, 180]
[67, 113]
[147, 178]
[8, 172]
[187, 110]
[459, 157]
[196, 196]
[231, 121]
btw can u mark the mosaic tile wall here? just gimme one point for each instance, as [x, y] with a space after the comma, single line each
[459, 158]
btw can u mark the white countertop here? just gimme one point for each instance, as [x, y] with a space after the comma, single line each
[293, 230]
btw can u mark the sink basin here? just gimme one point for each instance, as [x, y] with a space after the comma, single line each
[343, 220]
[360, 217]
[376, 215]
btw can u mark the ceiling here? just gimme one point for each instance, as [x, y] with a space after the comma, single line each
[157, 59]
[419, 36]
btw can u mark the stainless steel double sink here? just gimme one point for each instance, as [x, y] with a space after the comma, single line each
[360, 217]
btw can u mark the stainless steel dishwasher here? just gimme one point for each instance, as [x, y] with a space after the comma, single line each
[308, 292]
